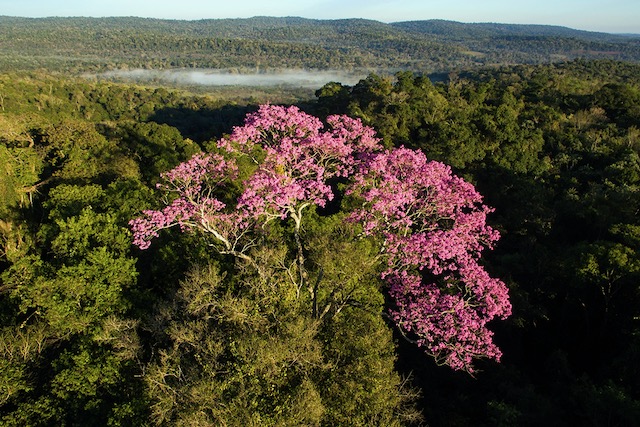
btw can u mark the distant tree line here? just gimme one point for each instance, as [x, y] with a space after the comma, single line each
[85, 44]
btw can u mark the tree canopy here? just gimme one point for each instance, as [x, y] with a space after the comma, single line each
[318, 264]
[426, 221]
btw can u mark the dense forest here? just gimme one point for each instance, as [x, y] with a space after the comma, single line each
[97, 331]
[296, 320]
[83, 44]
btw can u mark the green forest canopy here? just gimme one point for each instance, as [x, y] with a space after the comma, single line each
[94, 331]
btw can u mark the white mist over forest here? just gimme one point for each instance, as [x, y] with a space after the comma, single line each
[214, 77]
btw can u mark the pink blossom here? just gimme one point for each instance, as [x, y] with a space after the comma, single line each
[431, 224]
[300, 158]
[193, 184]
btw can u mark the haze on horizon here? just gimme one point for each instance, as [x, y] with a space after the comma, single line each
[612, 16]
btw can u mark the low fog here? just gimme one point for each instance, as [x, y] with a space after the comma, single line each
[289, 78]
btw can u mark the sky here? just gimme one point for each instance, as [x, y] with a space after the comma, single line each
[611, 16]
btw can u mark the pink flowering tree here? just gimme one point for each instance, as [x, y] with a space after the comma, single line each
[433, 228]
[430, 224]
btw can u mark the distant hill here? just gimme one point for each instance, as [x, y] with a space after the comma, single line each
[86, 44]
[452, 29]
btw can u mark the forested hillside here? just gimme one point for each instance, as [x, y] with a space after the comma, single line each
[299, 322]
[85, 44]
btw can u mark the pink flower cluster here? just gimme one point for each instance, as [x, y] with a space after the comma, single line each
[300, 158]
[269, 125]
[432, 224]
[146, 228]
[188, 178]
[195, 206]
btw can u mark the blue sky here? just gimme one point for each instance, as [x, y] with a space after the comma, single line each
[615, 16]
